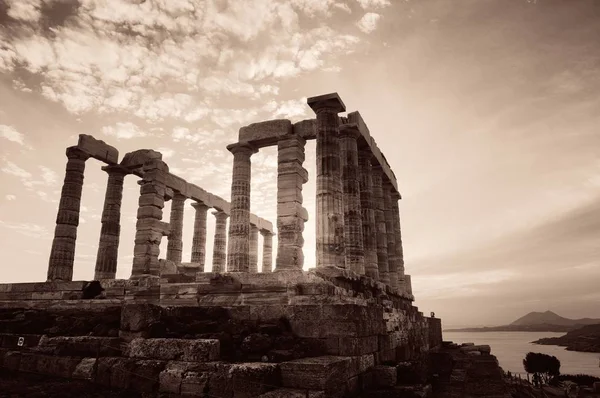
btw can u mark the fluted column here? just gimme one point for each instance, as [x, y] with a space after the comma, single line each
[238, 255]
[398, 239]
[329, 208]
[175, 242]
[291, 216]
[379, 205]
[369, 227]
[353, 233]
[108, 247]
[199, 238]
[62, 254]
[408, 286]
[149, 227]
[390, 236]
[253, 252]
[220, 243]
[267, 260]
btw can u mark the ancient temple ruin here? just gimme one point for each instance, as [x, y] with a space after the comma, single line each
[344, 327]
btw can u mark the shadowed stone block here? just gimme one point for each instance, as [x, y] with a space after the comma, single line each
[169, 349]
[317, 373]
[385, 376]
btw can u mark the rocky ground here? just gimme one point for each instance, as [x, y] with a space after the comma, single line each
[18, 385]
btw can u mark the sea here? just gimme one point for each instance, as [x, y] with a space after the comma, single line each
[511, 347]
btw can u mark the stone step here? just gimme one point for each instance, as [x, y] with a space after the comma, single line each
[192, 350]
[79, 346]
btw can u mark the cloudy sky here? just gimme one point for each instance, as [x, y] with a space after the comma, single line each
[487, 111]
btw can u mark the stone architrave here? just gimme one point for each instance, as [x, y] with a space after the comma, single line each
[108, 247]
[291, 216]
[398, 240]
[369, 227]
[238, 255]
[62, 254]
[353, 230]
[379, 205]
[220, 243]
[199, 238]
[149, 227]
[390, 236]
[175, 241]
[267, 260]
[253, 252]
[329, 208]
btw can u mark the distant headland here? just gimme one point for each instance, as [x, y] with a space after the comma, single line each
[535, 322]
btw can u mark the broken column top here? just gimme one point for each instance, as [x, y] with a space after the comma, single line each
[331, 100]
[98, 149]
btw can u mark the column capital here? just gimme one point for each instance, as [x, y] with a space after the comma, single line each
[200, 205]
[242, 148]
[331, 102]
[266, 232]
[116, 169]
[179, 196]
[220, 214]
[350, 130]
[74, 152]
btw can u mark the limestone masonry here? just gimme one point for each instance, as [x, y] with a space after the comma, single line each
[252, 327]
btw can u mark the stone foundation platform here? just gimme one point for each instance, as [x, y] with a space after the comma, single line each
[324, 332]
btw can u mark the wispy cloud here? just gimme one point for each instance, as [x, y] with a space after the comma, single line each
[10, 133]
[123, 131]
[368, 22]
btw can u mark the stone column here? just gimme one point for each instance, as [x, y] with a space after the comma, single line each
[369, 228]
[379, 205]
[291, 216]
[238, 255]
[62, 254]
[353, 233]
[390, 236]
[267, 260]
[175, 242]
[108, 247]
[253, 252]
[398, 240]
[149, 227]
[199, 239]
[329, 208]
[220, 244]
[408, 286]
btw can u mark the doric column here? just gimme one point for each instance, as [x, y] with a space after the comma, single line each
[267, 260]
[199, 238]
[390, 236]
[220, 244]
[253, 252]
[108, 247]
[238, 255]
[329, 209]
[291, 216]
[62, 254]
[149, 227]
[368, 213]
[379, 205]
[175, 242]
[408, 286]
[353, 233]
[398, 240]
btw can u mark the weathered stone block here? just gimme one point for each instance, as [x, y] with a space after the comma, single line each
[318, 373]
[85, 370]
[175, 349]
[252, 379]
[265, 133]
[385, 376]
[139, 317]
[350, 346]
[98, 149]
[145, 378]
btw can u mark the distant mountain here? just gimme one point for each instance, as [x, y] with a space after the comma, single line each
[551, 318]
[536, 322]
